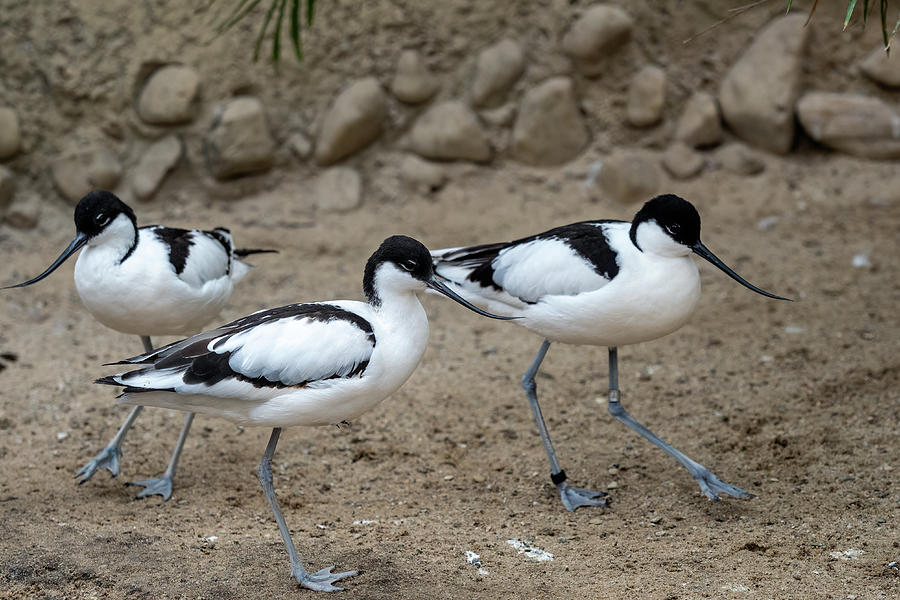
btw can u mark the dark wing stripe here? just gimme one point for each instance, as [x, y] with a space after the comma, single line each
[587, 238]
[212, 368]
[318, 312]
[179, 242]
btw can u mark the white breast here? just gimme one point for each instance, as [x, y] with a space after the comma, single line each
[650, 297]
[143, 295]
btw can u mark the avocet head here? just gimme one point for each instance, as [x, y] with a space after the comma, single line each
[404, 264]
[100, 218]
[670, 226]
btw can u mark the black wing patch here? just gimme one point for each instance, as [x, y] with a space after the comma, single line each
[179, 242]
[587, 238]
[201, 364]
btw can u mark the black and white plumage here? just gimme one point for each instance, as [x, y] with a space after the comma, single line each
[302, 364]
[147, 281]
[605, 283]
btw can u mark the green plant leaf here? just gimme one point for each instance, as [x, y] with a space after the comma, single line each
[884, 26]
[237, 15]
[865, 11]
[310, 10]
[850, 6]
[262, 31]
[295, 29]
[276, 41]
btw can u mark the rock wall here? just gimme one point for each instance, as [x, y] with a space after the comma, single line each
[129, 98]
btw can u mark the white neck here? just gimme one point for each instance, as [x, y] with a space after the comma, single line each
[117, 239]
[653, 240]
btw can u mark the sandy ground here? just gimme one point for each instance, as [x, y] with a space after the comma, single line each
[796, 402]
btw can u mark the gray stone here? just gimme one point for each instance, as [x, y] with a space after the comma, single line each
[599, 32]
[300, 145]
[153, 166]
[450, 131]
[502, 116]
[239, 141]
[413, 82]
[421, 174]
[549, 129]
[682, 161]
[699, 124]
[629, 177]
[10, 133]
[24, 212]
[740, 159]
[354, 120]
[78, 172]
[7, 187]
[497, 69]
[852, 123]
[338, 189]
[646, 97]
[169, 95]
[760, 90]
[882, 67]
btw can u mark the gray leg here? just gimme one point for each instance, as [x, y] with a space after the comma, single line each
[571, 497]
[108, 458]
[711, 485]
[163, 485]
[320, 580]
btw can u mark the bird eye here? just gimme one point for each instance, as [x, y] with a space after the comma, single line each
[674, 228]
[408, 265]
[101, 219]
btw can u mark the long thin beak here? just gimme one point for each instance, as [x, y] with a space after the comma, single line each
[443, 289]
[79, 241]
[706, 253]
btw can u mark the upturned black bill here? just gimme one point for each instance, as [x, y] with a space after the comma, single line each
[442, 288]
[79, 241]
[705, 252]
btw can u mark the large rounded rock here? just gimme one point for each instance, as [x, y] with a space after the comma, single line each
[169, 95]
[497, 69]
[629, 177]
[549, 129]
[600, 31]
[338, 189]
[354, 120]
[78, 172]
[760, 90]
[10, 134]
[413, 82]
[740, 159]
[699, 124]
[450, 131]
[646, 97]
[24, 211]
[882, 67]
[239, 141]
[153, 166]
[851, 123]
[682, 161]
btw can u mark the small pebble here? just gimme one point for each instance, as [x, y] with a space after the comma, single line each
[612, 485]
[862, 261]
[767, 223]
[478, 478]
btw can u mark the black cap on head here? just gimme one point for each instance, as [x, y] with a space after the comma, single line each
[675, 215]
[406, 253]
[97, 209]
